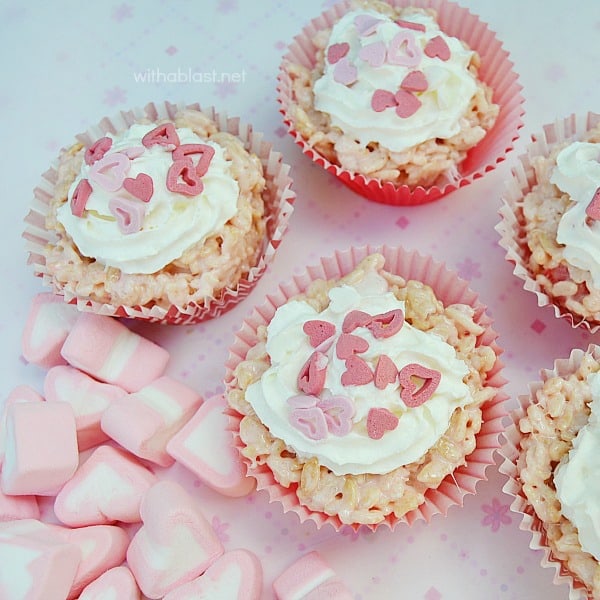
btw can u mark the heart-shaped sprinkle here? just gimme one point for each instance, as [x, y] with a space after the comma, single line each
[129, 214]
[366, 24]
[204, 151]
[403, 50]
[373, 54]
[380, 421]
[302, 401]
[142, 187]
[357, 372]
[311, 378]
[415, 81]
[437, 47]
[386, 324]
[133, 152]
[354, 319]
[411, 25]
[163, 135]
[336, 52]
[310, 421]
[109, 171]
[593, 208]
[80, 197]
[408, 104]
[348, 345]
[318, 331]
[182, 178]
[413, 395]
[382, 99]
[338, 411]
[97, 150]
[386, 372]
[345, 72]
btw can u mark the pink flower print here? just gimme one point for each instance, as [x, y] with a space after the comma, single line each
[469, 269]
[122, 12]
[226, 6]
[220, 528]
[114, 96]
[495, 515]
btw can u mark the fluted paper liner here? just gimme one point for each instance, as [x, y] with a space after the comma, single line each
[279, 198]
[496, 70]
[449, 289]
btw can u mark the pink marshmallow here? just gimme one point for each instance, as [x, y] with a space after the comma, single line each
[49, 321]
[175, 544]
[115, 584]
[106, 349]
[205, 446]
[310, 578]
[36, 563]
[88, 397]
[107, 487]
[41, 448]
[18, 507]
[237, 575]
[145, 421]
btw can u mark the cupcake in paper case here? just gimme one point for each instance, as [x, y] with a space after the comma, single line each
[403, 101]
[168, 214]
[551, 457]
[367, 391]
[550, 219]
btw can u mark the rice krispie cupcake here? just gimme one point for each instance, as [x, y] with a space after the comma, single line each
[551, 458]
[394, 99]
[366, 392]
[551, 219]
[167, 214]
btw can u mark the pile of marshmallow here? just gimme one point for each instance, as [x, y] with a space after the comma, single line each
[108, 415]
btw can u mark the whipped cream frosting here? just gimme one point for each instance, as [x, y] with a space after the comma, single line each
[576, 477]
[172, 221]
[450, 85]
[356, 452]
[577, 173]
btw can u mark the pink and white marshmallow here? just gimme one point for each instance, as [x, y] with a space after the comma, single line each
[18, 507]
[145, 421]
[116, 584]
[106, 349]
[176, 543]
[205, 447]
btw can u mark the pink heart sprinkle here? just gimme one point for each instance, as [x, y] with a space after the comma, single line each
[374, 54]
[302, 401]
[357, 372]
[386, 372]
[311, 379]
[380, 421]
[310, 421]
[133, 152]
[163, 135]
[80, 197]
[415, 81]
[336, 52]
[354, 319]
[182, 178]
[344, 72]
[437, 47]
[338, 411]
[348, 345]
[408, 104]
[403, 50]
[382, 99]
[318, 331]
[205, 151]
[366, 24]
[593, 208]
[109, 172]
[386, 324]
[129, 214]
[410, 394]
[410, 25]
[142, 187]
[97, 150]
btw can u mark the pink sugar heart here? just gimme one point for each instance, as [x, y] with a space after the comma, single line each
[310, 421]
[109, 171]
[318, 331]
[311, 378]
[142, 187]
[302, 401]
[348, 345]
[182, 178]
[97, 150]
[133, 152]
[437, 47]
[205, 152]
[403, 50]
[415, 81]
[386, 372]
[129, 214]
[386, 324]
[344, 72]
[380, 421]
[593, 208]
[357, 372]
[163, 135]
[336, 52]
[382, 99]
[338, 411]
[374, 54]
[412, 395]
[354, 319]
[366, 24]
[408, 104]
[410, 25]
[80, 197]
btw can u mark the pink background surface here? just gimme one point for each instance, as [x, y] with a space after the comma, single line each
[65, 66]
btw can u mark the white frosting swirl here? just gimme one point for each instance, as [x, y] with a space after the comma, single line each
[450, 87]
[173, 221]
[576, 477]
[577, 173]
[418, 428]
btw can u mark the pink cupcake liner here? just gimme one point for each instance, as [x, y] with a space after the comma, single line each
[510, 451]
[449, 289]
[522, 180]
[496, 70]
[279, 201]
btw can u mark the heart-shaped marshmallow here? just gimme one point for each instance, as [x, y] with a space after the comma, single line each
[204, 151]
[593, 208]
[407, 104]
[357, 372]
[386, 372]
[318, 331]
[336, 52]
[97, 150]
[163, 135]
[338, 411]
[345, 72]
[311, 378]
[114, 583]
[109, 172]
[128, 213]
[348, 345]
[142, 187]
[182, 178]
[380, 421]
[354, 319]
[386, 324]
[403, 50]
[80, 197]
[373, 54]
[437, 47]
[411, 394]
